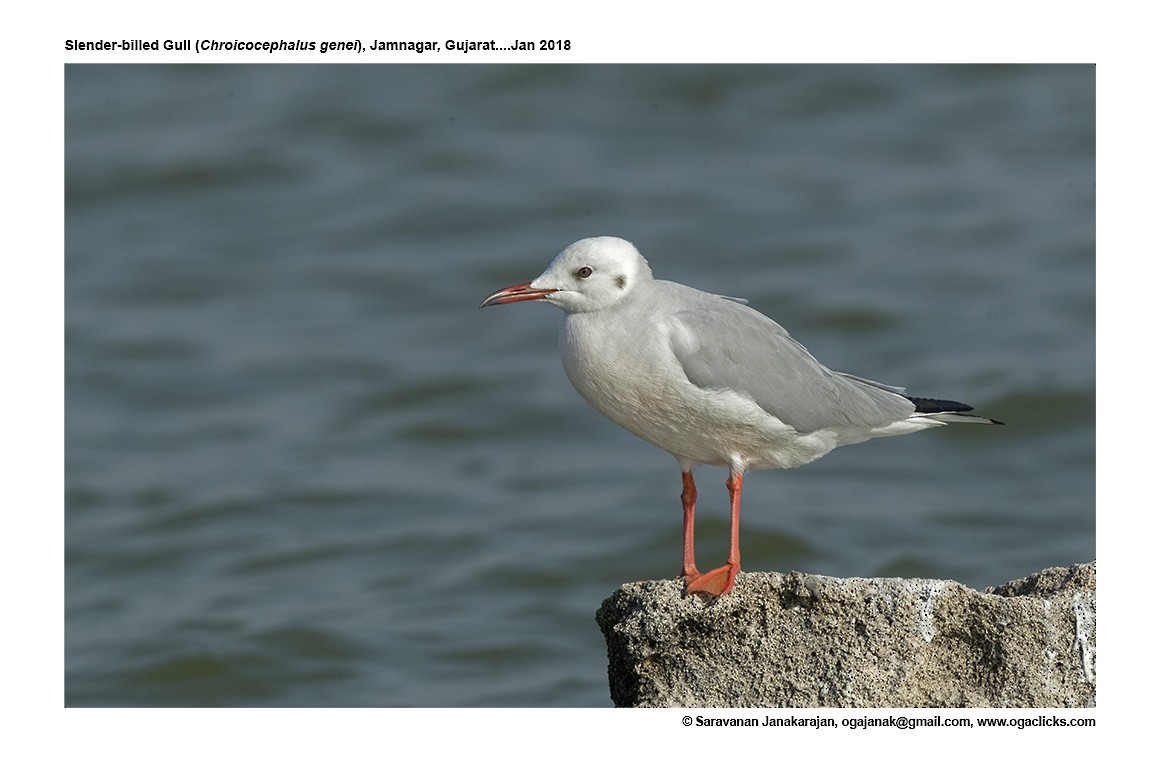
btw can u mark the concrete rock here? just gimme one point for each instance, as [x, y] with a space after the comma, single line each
[796, 640]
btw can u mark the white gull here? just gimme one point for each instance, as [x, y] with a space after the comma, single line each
[708, 379]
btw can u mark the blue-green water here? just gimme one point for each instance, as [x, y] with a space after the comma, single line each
[303, 468]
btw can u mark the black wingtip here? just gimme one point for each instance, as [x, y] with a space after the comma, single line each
[938, 405]
[945, 406]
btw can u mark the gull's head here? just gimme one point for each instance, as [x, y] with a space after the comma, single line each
[590, 275]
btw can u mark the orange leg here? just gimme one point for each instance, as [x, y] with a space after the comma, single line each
[689, 501]
[719, 580]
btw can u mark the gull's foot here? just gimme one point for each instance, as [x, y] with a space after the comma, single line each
[716, 582]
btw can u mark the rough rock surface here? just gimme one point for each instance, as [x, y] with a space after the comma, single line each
[796, 640]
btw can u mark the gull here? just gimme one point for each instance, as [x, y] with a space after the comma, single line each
[708, 379]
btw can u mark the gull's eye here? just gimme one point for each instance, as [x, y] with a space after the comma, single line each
[583, 272]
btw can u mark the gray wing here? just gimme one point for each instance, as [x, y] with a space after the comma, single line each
[721, 344]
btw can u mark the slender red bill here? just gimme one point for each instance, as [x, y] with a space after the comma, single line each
[514, 294]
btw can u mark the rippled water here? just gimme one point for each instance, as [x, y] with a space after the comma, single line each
[303, 468]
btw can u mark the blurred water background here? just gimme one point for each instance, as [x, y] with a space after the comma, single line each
[304, 469]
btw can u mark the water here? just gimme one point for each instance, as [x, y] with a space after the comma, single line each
[303, 468]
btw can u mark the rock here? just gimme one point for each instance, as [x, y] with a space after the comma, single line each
[796, 640]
